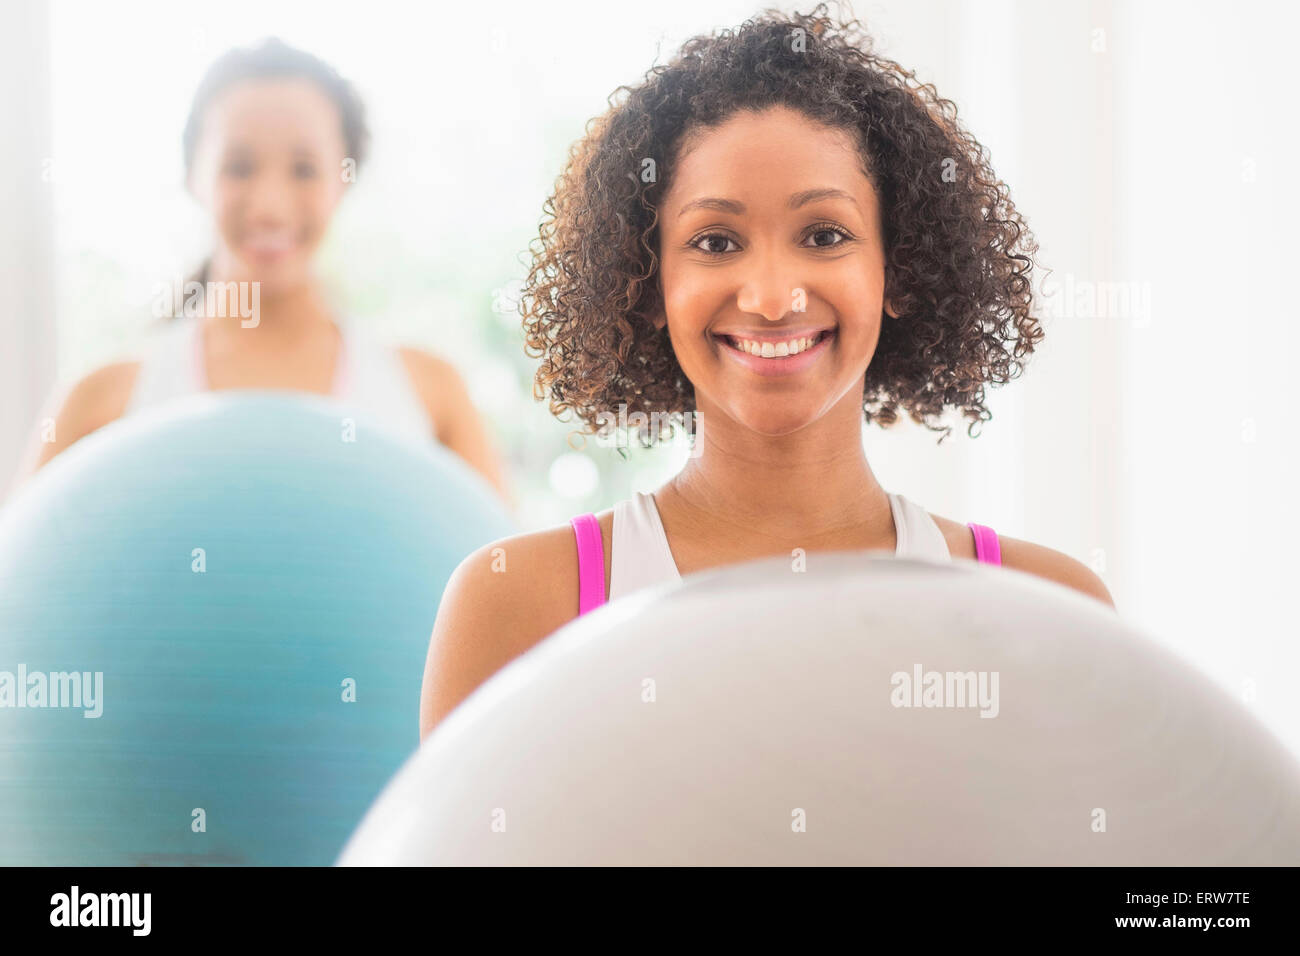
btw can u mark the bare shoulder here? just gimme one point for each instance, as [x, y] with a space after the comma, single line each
[1054, 566]
[102, 395]
[524, 576]
[500, 601]
[442, 389]
[434, 377]
[456, 422]
[1031, 558]
[91, 403]
[424, 361]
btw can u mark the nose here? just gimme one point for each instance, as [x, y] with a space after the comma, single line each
[268, 201]
[769, 288]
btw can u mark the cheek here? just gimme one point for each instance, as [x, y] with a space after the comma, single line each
[692, 297]
[317, 203]
[225, 205]
[856, 293]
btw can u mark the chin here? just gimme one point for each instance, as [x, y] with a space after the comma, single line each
[774, 425]
[278, 280]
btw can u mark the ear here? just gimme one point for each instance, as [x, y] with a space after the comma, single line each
[890, 310]
[659, 319]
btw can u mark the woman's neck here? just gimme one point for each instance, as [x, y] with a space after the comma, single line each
[813, 488]
[287, 315]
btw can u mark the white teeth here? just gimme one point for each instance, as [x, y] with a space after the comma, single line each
[775, 349]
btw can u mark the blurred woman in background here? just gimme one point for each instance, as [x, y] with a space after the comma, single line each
[273, 140]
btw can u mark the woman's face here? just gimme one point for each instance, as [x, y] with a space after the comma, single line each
[268, 167]
[770, 242]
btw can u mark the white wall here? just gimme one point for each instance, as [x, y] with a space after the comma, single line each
[1207, 212]
[27, 317]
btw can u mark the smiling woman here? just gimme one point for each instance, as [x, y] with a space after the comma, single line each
[887, 179]
[270, 133]
[272, 144]
[772, 260]
[800, 261]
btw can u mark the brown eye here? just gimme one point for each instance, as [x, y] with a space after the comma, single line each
[714, 243]
[824, 237]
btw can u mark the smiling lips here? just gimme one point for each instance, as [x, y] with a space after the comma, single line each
[776, 354]
[269, 244]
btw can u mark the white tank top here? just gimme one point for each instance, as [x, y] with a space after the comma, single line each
[370, 378]
[641, 556]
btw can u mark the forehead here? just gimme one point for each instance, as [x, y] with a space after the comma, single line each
[260, 111]
[774, 154]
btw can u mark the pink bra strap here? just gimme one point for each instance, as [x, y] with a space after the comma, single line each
[987, 548]
[591, 563]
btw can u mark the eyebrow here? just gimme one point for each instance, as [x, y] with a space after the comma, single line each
[813, 195]
[738, 208]
[298, 149]
[710, 202]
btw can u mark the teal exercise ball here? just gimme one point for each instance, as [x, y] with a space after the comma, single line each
[867, 710]
[244, 584]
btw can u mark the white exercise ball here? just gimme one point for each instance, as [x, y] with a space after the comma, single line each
[760, 715]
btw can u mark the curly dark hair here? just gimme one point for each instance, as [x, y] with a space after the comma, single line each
[958, 254]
